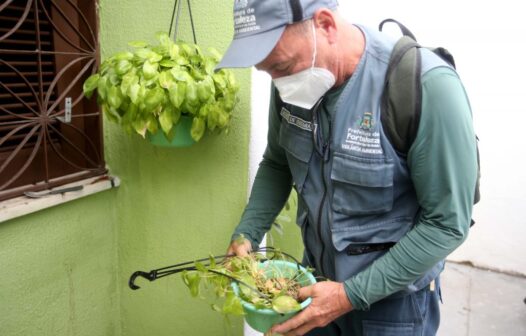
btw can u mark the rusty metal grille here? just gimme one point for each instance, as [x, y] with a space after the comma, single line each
[49, 133]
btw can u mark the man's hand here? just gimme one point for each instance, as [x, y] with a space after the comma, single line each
[329, 301]
[241, 247]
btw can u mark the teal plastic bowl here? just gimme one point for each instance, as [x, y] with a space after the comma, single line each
[182, 137]
[263, 319]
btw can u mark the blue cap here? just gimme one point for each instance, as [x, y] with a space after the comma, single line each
[258, 25]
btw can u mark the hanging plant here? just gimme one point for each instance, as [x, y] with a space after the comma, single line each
[263, 289]
[265, 292]
[152, 87]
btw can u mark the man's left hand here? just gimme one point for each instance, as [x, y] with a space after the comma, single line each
[329, 301]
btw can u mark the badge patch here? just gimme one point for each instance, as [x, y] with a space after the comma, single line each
[367, 121]
[363, 138]
[295, 120]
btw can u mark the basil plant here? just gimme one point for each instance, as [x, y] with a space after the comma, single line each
[151, 87]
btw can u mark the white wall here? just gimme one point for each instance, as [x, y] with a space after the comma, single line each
[488, 40]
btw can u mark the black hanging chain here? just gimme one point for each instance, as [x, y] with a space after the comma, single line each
[177, 8]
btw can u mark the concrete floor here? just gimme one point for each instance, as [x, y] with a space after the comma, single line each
[478, 303]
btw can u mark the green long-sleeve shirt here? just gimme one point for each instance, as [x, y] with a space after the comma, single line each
[443, 167]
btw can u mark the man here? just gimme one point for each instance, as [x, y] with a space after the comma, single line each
[377, 223]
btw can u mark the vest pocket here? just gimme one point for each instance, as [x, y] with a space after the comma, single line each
[298, 148]
[362, 186]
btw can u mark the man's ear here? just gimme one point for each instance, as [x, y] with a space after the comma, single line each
[324, 18]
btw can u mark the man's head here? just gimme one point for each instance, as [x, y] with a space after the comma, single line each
[259, 25]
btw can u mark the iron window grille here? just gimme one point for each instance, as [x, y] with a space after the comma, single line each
[50, 134]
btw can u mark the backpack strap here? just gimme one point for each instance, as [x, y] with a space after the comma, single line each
[405, 31]
[402, 95]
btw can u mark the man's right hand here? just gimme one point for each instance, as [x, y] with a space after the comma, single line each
[240, 246]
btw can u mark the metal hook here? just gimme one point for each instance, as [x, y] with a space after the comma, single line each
[147, 275]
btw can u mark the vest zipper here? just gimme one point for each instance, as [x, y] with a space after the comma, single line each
[325, 159]
[320, 212]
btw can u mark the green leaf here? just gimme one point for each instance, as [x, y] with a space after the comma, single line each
[125, 55]
[181, 75]
[165, 119]
[122, 67]
[153, 99]
[191, 93]
[140, 126]
[110, 113]
[182, 60]
[247, 292]
[102, 87]
[216, 55]
[155, 57]
[177, 94]
[128, 80]
[132, 112]
[90, 85]
[133, 92]
[174, 51]
[137, 44]
[223, 119]
[205, 89]
[203, 111]
[232, 305]
[149, 70]
[212, 262]
[176, 115]
[168, 63]
[188, 50]
[190, 109]
[164, 39]
[166, 79]
[192, 280]
[114, 97]
[152, 124]
[285, 304]
[210, 65]
[198, 129]
[200, 267]
[220, 80]
[143, 53]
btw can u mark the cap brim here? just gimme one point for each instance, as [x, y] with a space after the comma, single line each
[250, 50]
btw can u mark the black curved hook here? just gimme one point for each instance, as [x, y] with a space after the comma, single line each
[147, 275]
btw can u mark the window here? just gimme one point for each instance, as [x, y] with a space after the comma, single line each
[50, 134]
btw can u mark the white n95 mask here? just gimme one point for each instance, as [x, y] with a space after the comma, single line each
[306, 87]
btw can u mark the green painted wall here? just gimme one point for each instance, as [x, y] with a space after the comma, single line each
[174, 205]
[58, 270]
[64, 270]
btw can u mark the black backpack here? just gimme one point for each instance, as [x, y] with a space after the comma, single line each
[402, 104]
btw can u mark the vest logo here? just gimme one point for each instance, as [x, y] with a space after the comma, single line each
[295, 120]
[367, 121]
[240, 4]
[363, 138]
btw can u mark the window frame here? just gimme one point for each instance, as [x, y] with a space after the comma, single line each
[66, 149]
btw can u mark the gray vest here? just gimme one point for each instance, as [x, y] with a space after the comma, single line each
[361, 193]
